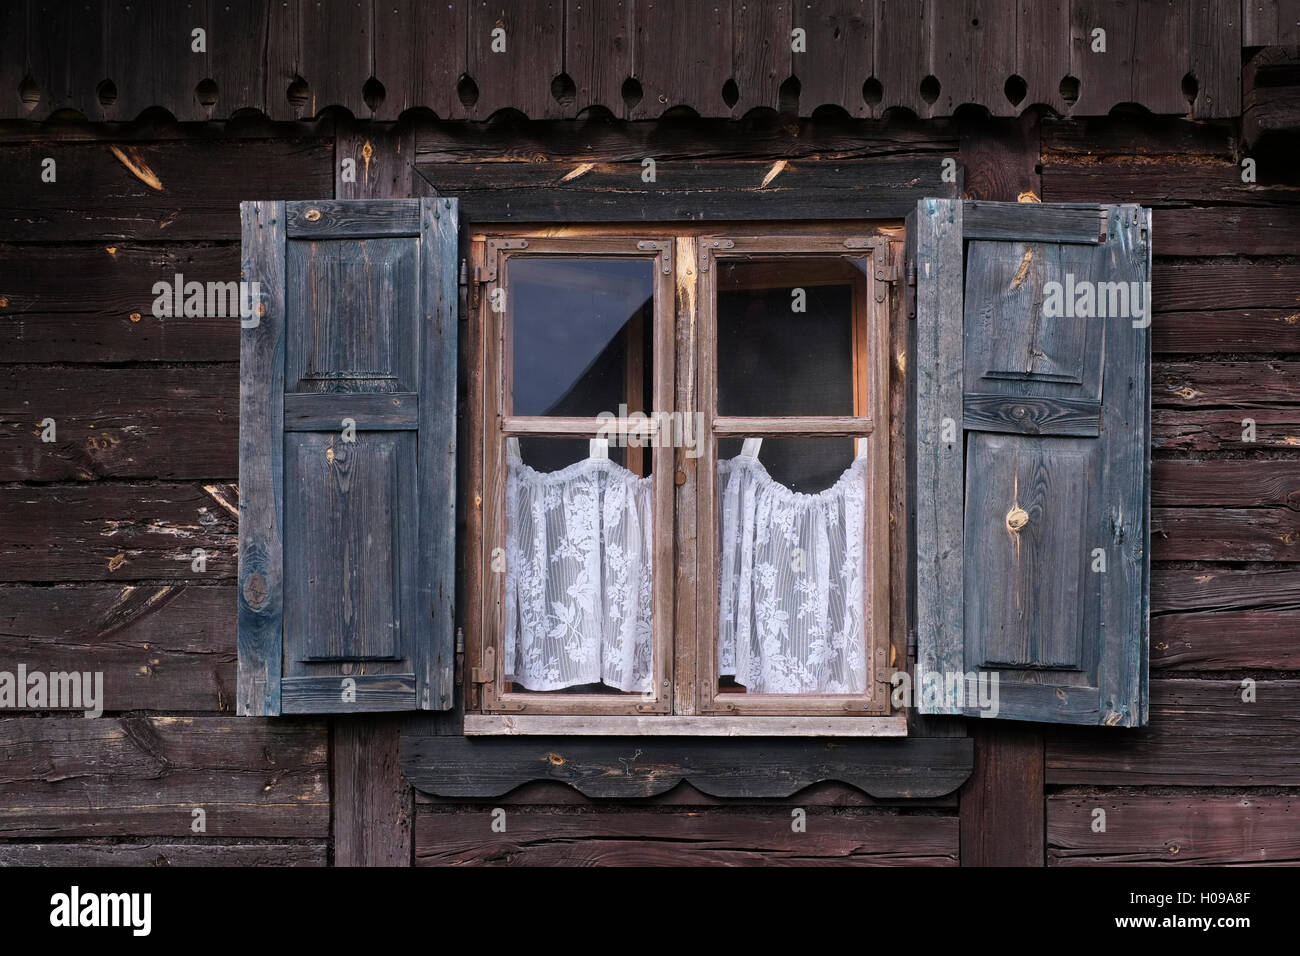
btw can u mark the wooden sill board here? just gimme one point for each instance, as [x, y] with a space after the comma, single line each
[492, 725]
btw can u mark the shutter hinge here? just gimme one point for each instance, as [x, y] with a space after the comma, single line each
[460, 657]
[886, 274]
[486, 674]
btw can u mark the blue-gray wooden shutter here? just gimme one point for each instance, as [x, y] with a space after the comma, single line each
[1030, 460]
[347, 457]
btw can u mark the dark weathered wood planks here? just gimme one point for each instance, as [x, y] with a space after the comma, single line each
[626, 837]
[163, 648]
[119, 423]
[144, 776]
[117, 531]
[1184, 829]
[640, 767]
[107, 191]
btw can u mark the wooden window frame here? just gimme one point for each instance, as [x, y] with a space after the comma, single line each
[500, 426]
[871, 377]
[685, 699]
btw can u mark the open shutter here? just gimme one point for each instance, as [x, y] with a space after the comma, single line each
[347, 457]
[1030, 459]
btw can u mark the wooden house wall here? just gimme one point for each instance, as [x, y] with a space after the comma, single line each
[292, 59]
[97, 568]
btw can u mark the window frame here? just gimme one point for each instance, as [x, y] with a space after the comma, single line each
[684, 345]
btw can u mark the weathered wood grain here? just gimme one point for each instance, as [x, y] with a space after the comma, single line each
[372, 805]
[1246, 330]
[688, 190]
[1201, 733]
[1184, 829]
[119, 423]
[152, 191]
[117, 531]
[95, 303]
[639, 767]
[1231, 484]
[1224, 429]
[1001, 804]
[1258, 640]
[520, 77]
[683, 56]
[1225, 534]
[840, 54]
[160, 647]
[1226, 282]
[164, 854]
[598, 53]
[1247, 384]
[1214, 588]
[761, 58]
[68, 776]
[614, 837]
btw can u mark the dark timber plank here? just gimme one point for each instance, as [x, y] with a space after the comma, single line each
[1223, 429]
[682, 52]
[117, 532]
[1002, 803]
[716, 837]
[1226, 283]
[520, 77]
[162, 853]
[1244, 484]
[143, 776]
[761, 58]
[1225, 534]
[372, 804]
[1199, 589]
[95, 303]
[152, 191]
[641, 767]
[1201, 733]
[1185, 829]
[1245, 330]
[598, 53]
[1191, 384]
[1255, 639]
[689, 190]
[164, 647]
[119, 423]
[840, 55]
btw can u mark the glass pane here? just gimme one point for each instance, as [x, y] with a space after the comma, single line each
[579, 582]
[785, 336]
[581, 334]
[791, 585]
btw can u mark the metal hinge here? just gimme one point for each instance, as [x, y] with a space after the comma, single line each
[460, 657]
[486, 271]
[708, 246]
[886, 274]
[486, 674]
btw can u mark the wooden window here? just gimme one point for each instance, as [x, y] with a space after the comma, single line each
[780, 334]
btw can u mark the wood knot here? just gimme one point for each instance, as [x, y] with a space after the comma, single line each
[555, 760]
[255, 590]
[1017, 518]
[311, 215]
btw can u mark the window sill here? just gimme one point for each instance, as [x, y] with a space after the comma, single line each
[495, 725]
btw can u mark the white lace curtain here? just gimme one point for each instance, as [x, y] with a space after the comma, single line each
[578, 575]
[579, 581]
[790, 594]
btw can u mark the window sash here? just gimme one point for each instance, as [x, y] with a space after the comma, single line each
[685, 536]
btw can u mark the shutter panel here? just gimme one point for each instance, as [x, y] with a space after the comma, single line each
[347, 457]
[1042, 470]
